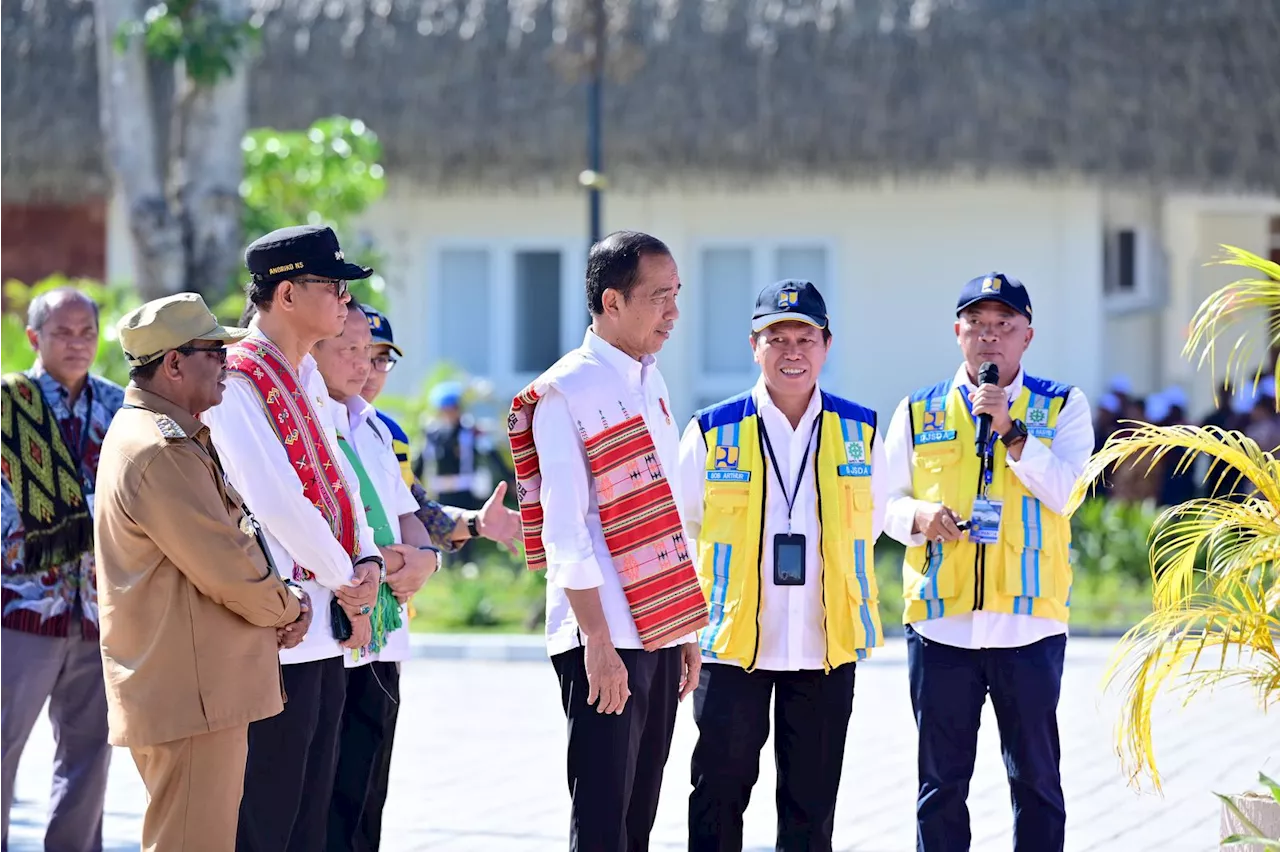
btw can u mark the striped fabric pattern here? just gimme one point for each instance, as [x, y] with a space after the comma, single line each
[642, 527]
[294, 420]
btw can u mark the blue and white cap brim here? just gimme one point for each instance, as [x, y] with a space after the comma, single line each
[761, 323]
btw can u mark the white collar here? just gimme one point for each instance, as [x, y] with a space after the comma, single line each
[305, 368]
[961, 380]
[760, 392]
[629, 367]
[358, 411]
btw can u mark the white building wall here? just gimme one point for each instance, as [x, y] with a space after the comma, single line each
[897, 258]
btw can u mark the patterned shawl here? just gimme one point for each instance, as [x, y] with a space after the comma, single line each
[44, 477]
[642, 527]
[291, 414]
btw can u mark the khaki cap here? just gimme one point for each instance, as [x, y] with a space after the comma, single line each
[148, 332]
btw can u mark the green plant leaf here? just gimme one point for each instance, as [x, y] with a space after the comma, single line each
[1239, 814]
[1266, 844]
[1271, 785]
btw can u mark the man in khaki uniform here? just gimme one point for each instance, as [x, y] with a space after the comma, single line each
[192, 613]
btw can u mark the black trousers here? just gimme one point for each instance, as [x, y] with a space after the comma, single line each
[364, 757]
[615, 761]
[811, 720]
[948, 688]
[288, 778]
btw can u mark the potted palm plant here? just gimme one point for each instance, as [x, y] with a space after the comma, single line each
[1215, 561]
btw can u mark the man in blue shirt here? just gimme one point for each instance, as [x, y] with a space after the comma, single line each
[55, 417]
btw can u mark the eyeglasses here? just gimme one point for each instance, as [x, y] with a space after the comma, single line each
[335, 286]
[383, 363]
[219, 353]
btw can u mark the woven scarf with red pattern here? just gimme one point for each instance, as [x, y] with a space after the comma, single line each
[296, 425]
[642, 526]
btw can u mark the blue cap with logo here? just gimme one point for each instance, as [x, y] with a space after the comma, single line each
[380, 328]
[996, 287]
[789, 300]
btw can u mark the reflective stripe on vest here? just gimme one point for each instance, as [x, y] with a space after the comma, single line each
[1028, 572]
[732, 536]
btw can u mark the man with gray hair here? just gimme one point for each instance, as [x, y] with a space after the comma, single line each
[55, 417]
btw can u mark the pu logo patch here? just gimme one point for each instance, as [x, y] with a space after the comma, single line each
[726, 458]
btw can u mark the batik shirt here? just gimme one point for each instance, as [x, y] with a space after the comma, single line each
[45, 602]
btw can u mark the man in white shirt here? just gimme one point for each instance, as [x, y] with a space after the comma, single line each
[274, 432]
[596, 466]
[987, 575]
[783, 490]
[373, 672]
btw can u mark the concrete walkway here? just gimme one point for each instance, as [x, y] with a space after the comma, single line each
[479, 764]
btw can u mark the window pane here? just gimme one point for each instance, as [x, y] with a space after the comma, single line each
[537, 310]
[808, 263]
[727, 297]
[464, 319]
[1126, 277]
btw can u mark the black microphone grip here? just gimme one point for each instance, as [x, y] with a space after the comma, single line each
[988, 374]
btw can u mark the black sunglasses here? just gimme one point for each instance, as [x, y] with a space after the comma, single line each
[219, 352]
[336, 286]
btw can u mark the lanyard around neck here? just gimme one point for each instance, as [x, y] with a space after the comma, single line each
[804, 460]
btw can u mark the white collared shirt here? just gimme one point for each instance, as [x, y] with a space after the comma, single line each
[1049, 473]
[577, 556]
[792, 637]
[258, 467]
[371, 440]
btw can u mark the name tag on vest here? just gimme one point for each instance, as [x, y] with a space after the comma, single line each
[853, 470]
[935, 436]
[1041, 432]
[728, 476]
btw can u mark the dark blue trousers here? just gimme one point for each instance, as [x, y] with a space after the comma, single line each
[948, 688]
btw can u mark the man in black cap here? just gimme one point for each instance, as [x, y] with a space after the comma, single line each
[987, 577]
[275, 434]
[783, 490]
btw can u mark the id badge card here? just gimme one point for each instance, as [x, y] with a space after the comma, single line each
[788, 559]
[984, 526]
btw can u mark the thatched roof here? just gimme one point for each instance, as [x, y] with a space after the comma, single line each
[480, 93]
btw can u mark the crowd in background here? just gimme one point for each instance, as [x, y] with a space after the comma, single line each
[1251, 410]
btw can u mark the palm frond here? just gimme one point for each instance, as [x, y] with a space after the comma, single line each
[1230, 306]
[1220, 636]
[1215, 562]
[1241, 455]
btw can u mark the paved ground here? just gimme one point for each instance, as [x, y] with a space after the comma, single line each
[479, 766]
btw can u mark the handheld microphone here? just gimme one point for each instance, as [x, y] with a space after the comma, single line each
[988, 374]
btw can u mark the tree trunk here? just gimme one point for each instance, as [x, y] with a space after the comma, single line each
[131, 142]
[183, 204]
[215, 120]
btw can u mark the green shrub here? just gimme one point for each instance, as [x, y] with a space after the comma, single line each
[489, 596]
[1109, 538]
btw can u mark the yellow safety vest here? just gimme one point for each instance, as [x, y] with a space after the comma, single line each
[730, 543]
[1028, 572]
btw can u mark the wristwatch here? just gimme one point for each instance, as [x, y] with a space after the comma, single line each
[382, 566]
[1014, 435]
[473, 524]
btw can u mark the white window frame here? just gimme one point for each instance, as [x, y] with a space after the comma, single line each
[709, 384]
[502, 253]
[1147, 271]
